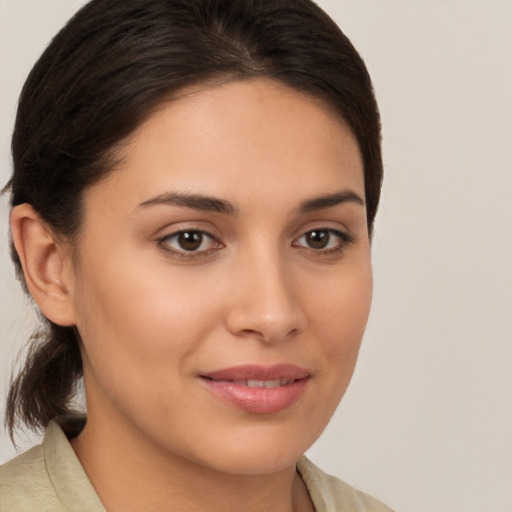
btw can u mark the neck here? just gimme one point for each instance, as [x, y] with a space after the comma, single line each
[130, 474]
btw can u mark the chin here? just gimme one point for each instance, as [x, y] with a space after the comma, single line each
[260, 463]
[259, 453]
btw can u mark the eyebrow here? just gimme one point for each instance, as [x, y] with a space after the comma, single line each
[193, 201]
[213, 204]
[329, 201]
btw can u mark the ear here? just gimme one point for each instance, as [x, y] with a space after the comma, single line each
[47, 265]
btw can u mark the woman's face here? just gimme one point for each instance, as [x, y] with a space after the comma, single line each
[222, 281]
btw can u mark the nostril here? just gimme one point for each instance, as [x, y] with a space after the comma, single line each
[268, 335]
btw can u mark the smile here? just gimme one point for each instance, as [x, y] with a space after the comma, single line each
[258, 389]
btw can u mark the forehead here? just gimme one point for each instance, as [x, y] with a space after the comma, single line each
[239, 137]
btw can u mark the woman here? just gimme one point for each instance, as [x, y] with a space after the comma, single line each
[194, 188]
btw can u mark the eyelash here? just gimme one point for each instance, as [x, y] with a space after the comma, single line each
[344, 240]
[183, 253]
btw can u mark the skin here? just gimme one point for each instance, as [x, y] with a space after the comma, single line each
[153, 317]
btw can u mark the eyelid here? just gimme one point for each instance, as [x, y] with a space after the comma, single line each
[183, 253]
[344, 236]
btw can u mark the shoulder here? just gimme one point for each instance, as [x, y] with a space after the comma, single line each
[25, 485]
[330, 494]
[47, 478]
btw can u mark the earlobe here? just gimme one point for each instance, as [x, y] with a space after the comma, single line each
[45, 262]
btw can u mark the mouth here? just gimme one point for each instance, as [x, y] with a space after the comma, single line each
[269, 384]
[258, 389]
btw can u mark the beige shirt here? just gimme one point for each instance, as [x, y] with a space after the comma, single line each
[49, 478]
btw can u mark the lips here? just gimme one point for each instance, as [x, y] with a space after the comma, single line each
[258, 389]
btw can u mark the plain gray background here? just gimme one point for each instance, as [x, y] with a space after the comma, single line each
[426, 425]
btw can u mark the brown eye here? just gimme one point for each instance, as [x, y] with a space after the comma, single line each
[190, 240]
[193, 241]
[326, 240]
[317, 239]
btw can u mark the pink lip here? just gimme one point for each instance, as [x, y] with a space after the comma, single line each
[226, 384]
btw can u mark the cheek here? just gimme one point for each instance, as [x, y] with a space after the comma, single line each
[127, 294]
[139, 326]
[340, 311]
[342, 305]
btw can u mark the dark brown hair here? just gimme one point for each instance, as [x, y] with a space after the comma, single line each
[104, 73]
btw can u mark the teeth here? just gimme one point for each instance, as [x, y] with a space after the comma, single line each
[255, 383]
[272, 383]
[262, 383]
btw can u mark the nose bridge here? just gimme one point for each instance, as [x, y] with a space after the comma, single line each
[266, 304]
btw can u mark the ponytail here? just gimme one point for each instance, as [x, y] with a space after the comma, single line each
[44, 388]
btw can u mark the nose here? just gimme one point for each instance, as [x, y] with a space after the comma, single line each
[265, 301]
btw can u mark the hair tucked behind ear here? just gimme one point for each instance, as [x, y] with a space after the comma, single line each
[102, 76]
